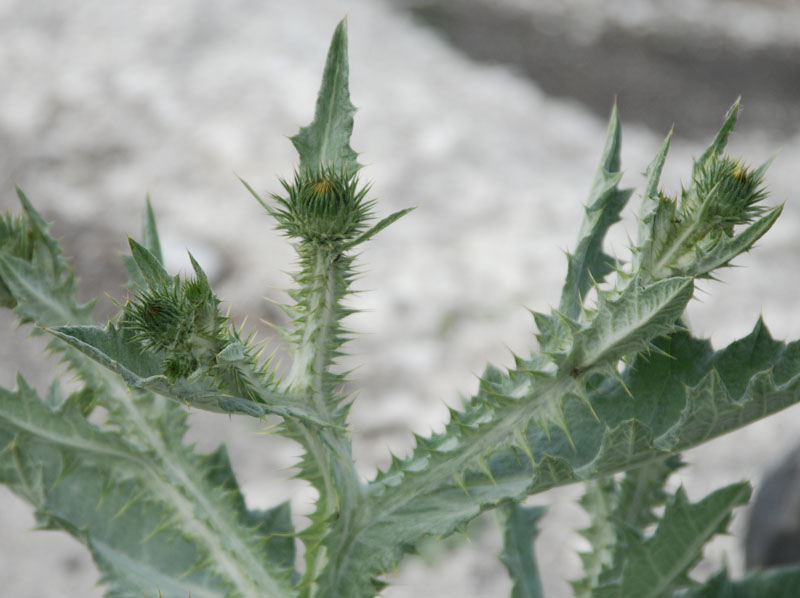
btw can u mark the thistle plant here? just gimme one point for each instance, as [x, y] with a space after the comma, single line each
[616, 390]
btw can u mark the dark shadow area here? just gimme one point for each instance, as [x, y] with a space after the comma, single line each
[657, 79]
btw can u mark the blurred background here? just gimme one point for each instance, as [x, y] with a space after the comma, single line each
[488, 115]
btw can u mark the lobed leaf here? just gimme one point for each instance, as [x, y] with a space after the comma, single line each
[517, 555]
[627, 324]
[650, 202]
[661, 563]
[40, 282]
[675, 398]
[587, 264]
[325, 143]
[728, 248]
[619, 511]
[779, 582]
[135, 514]
[114, 349]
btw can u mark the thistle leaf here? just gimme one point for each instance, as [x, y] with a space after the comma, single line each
[599, 500]
[40, 284]
[720, 140]
[151, 242]
[620, 511]
[778, 582]
[518, 557]
[378, 227]
[661, 563]
[325, 143]
[112, 348]
[628, 323]
[728, 248]
[155, 276]
[588, 264]
[662, 403]
[150, 238]
[650, 201]
[149, 528]
[38, 298]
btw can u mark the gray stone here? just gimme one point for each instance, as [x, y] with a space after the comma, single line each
[773, 534]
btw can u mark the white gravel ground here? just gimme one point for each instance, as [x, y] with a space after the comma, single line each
[104, 101]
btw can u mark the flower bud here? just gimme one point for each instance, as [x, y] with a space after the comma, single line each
[324, 206]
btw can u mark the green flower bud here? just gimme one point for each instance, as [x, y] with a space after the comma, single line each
[180, 319]
[179, 365]
[155, 317]
[726, 194]
[325, 206]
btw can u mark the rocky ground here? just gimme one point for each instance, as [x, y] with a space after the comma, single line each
[103, 102]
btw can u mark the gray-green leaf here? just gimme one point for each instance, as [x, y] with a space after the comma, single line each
[325, 143]
[628, 323]
[518, 556]
[588, 264]
[663, 561]
[112, 348]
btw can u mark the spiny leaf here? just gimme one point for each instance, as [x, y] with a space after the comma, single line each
[150, 238]
[599, 500]
[641, 491]
[146, 524]
[720, 140]
[149, 265]
[40, 284]
[627, 324]
[112, 348]
[23, 413]
[151, 242]
[434, 492]
[619, 511]
[273, 526]
[588, 264]
[325, 143]
[518, 557]
[136, 547]
[650, 201]
[729, 248]
[554, 333]
[661, 563]
[778, 582]
[40, 299]
[379, 226]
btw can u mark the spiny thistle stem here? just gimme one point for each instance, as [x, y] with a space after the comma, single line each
[326, 211]
[316, 339]
[316, 322]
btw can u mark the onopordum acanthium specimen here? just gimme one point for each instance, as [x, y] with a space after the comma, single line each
[616, 390]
